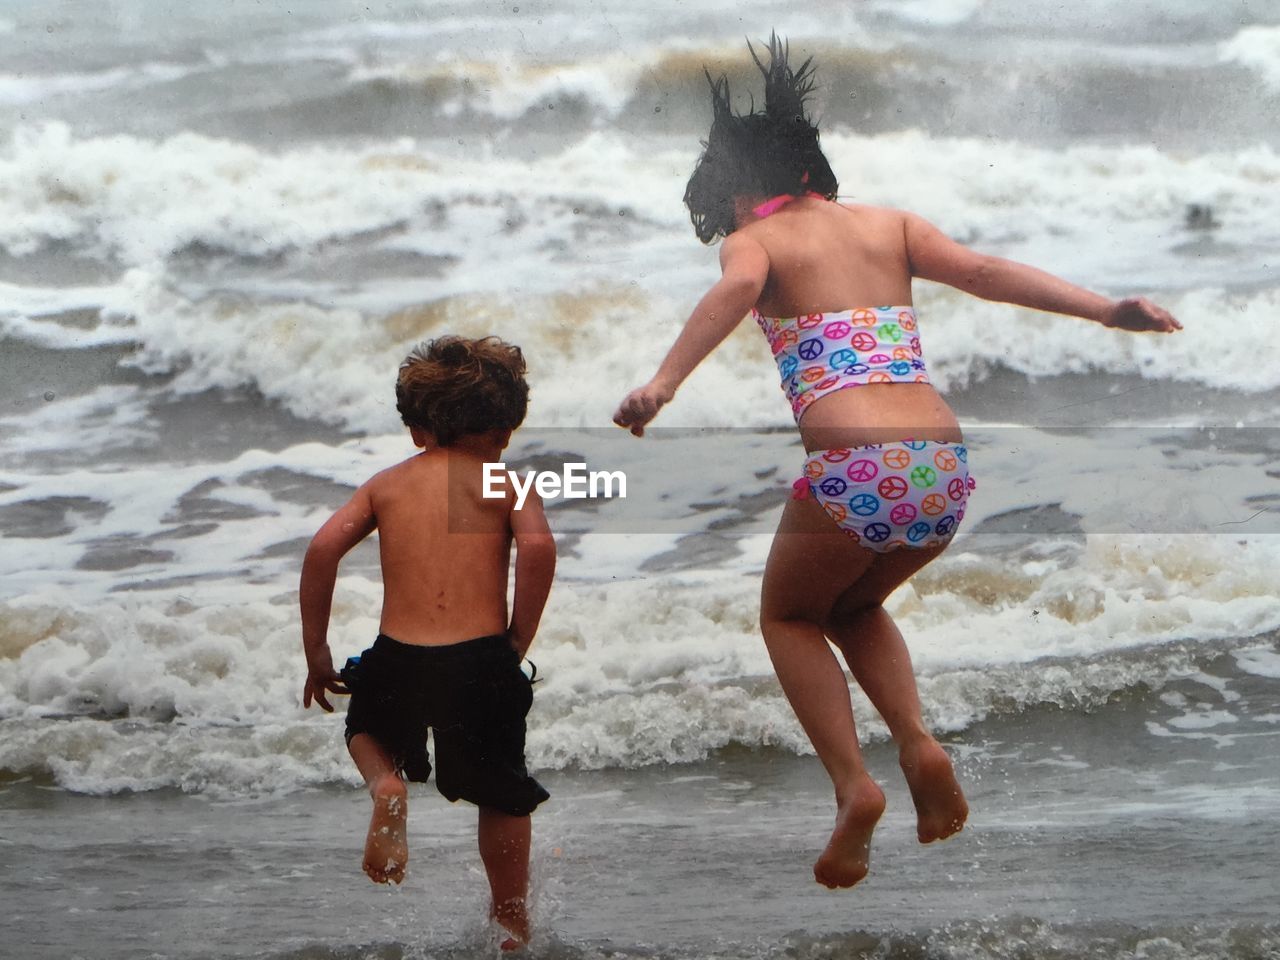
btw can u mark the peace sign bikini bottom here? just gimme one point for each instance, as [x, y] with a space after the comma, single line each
[910, 493]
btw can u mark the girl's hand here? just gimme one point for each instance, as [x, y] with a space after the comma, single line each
[1140, 315]
[641, 405]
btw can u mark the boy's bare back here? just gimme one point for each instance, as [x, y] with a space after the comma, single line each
[445, 549]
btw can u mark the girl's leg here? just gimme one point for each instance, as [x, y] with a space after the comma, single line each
[879, 660]
[504, 849]
[386, 848]
[810, 564]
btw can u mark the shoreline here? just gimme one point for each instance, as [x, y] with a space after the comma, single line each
[1081, 832]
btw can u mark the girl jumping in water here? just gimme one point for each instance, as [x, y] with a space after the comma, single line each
[885, 478]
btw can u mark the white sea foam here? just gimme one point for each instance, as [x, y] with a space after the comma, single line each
[1260, 662]
[636, 671]
[1258, 48]
[595, 281]
[510, 85]
[27, 88]
[18, 304]
[1100, 214]
[105, 418]
[585, 349]
[149, 506]
[140, 199]
[1227, 341]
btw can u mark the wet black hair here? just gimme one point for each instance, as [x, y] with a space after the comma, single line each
[760, 153]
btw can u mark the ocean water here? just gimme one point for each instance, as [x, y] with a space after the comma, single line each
[221, 227]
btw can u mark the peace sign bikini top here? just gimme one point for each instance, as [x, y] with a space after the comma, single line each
[821, 353]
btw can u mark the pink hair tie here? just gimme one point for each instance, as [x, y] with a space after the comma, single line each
[780, 201]
[772, 206]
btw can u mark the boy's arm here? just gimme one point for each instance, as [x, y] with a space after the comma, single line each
[535, 568]
[351, 524]
[744, 266]
[935, 256]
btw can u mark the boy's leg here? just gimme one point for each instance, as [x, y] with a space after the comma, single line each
[386, 849]
[480, 759]
[504, 848]
[880, 662]
[810, 564]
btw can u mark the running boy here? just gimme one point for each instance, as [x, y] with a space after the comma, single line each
[446, 656]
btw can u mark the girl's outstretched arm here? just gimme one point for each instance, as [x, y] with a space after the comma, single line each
[934, 256]
[744, 268]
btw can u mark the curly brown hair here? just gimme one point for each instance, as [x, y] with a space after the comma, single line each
[454, 386]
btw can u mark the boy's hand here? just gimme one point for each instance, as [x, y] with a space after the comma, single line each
[641, 405]
[1139, 315]
[322, 679]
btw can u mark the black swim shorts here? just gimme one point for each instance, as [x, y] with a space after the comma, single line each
[472, 695]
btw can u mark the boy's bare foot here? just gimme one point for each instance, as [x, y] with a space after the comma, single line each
[514, 918]
[845, 860]
[386, 849]
[941, 809]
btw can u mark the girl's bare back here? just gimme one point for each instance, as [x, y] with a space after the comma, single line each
[826, 257]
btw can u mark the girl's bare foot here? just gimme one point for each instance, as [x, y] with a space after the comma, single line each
[386, 849]
[941, 808]
[845, 860]
[514, 918]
